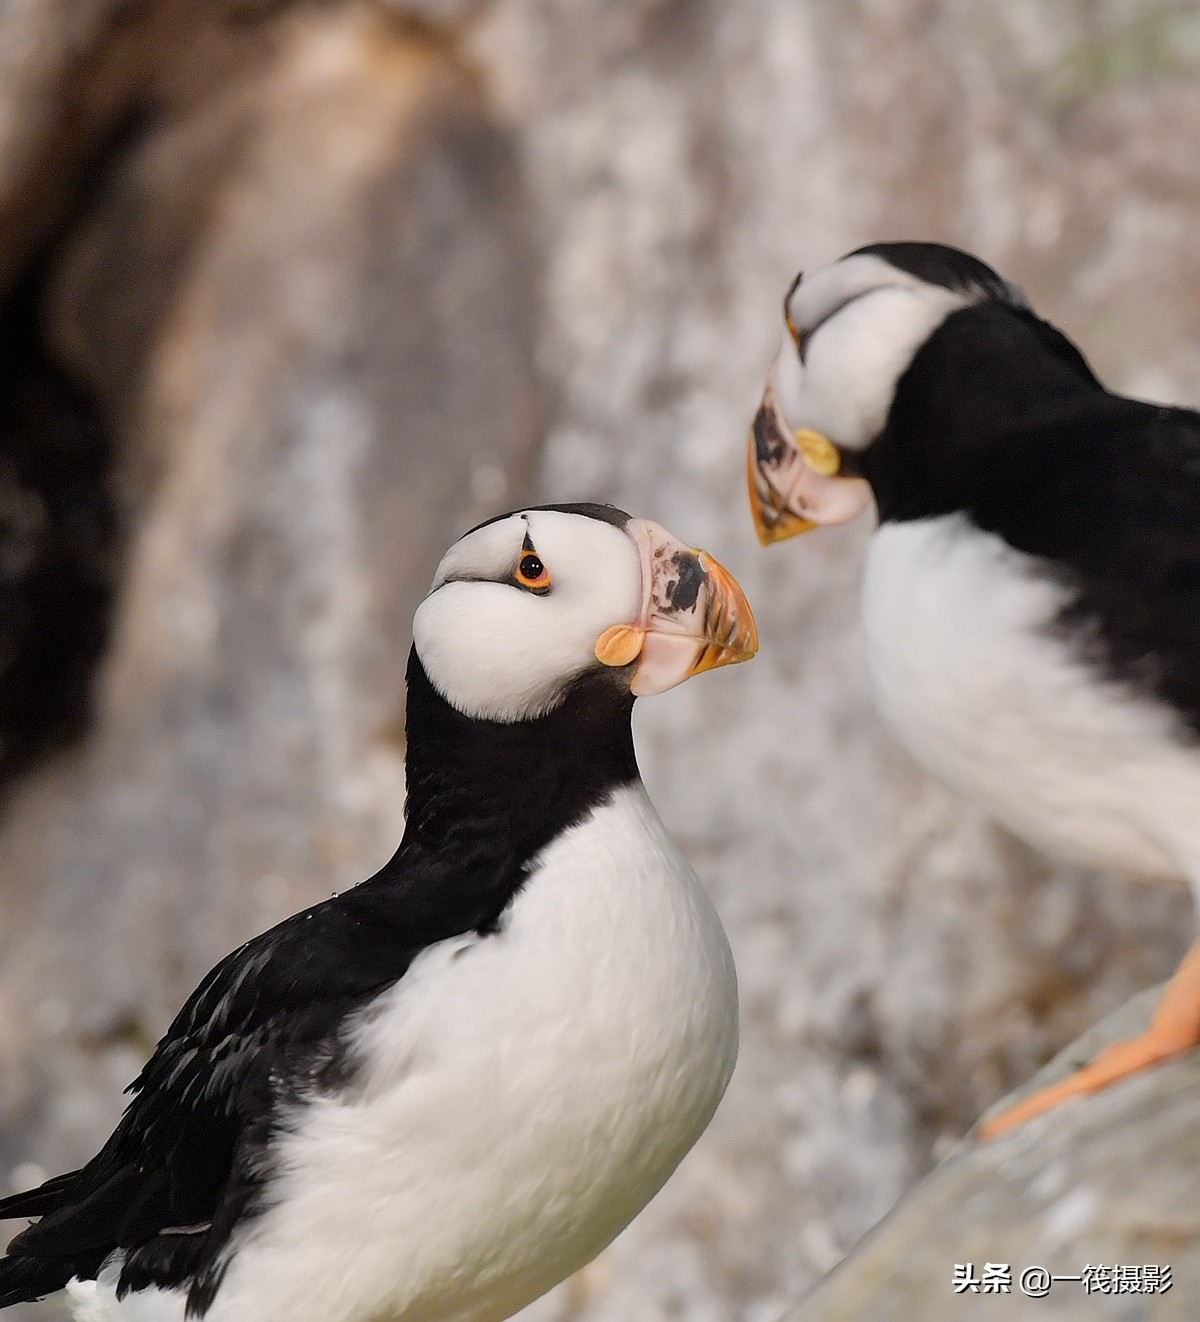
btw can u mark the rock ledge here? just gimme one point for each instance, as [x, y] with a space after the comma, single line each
[1103, 1182]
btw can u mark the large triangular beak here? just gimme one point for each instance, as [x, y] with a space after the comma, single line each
[792, 476]
[694, 615]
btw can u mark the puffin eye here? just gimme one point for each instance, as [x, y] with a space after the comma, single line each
[531, 574]
[799, 338]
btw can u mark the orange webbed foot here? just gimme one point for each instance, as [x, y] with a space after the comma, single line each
[1174, 1028]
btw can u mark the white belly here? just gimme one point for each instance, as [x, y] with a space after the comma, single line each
[524, 1096]
[969, 673]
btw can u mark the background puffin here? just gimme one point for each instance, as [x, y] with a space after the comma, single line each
[1031, 603]
[440, 1093]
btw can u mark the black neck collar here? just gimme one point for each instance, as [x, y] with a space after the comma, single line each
[486, 787]
[977, 420]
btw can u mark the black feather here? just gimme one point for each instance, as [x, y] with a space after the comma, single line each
[36, 1202]
[584, 508]
[940, 264]
[24, 1280]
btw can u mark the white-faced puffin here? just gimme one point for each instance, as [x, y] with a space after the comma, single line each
[436, 1095]
[1031, 603]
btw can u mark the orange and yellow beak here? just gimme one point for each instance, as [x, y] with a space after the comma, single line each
[694, 615]
[792, 476]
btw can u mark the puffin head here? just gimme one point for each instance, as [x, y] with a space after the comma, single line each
[523, 606]
[850, 332]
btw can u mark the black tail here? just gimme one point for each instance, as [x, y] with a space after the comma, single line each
[23, 1279]
[45, 1198]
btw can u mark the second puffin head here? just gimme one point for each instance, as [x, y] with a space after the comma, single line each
[851, 330]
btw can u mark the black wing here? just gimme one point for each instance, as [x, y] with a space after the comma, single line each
[185, 1162]
[1112, 500]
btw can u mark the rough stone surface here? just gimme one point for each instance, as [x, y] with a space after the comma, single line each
[1103, 1182]
[331, 272]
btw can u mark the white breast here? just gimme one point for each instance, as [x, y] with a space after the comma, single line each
[96, 1301]
[972, 676]
[522, 1097]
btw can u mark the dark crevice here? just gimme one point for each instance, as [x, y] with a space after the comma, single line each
[60, 531]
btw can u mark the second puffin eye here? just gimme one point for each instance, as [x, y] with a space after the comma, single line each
[799, 337]
[531, 574]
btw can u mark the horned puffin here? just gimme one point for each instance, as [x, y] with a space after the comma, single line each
[434, 1096]
[1031, 600]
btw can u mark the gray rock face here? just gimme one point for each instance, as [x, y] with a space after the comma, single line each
[1097, 1186]
[307, 306]
[341, 279]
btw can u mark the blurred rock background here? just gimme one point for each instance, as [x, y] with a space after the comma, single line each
[292, 293]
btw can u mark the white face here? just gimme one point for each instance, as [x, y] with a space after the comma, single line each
[859, 324]
[498, 650]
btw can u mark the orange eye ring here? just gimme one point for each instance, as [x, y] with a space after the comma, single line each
[531, 574]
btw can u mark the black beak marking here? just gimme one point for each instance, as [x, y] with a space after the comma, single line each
[683, 591]
[770, 446]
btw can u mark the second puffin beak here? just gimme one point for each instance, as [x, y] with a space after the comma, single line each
[792, 477]
[694, 616]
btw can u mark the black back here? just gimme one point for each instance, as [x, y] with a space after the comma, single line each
[999, 417]
[267, 1027]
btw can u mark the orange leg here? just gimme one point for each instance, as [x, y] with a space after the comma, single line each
[1175, 1027]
